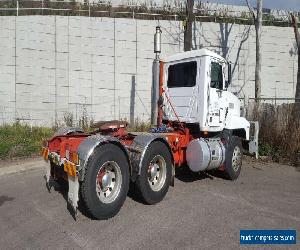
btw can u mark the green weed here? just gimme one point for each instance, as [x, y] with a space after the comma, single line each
[21, 140]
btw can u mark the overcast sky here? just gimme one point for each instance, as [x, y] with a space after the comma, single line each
[271, 4]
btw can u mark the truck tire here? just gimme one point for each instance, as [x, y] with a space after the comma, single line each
[156, 173]
[106, 182]
[233, 160]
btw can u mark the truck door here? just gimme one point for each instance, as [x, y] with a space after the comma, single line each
[216, 107]
[182, 90]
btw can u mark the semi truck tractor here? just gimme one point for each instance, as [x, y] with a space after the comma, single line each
[198, 124]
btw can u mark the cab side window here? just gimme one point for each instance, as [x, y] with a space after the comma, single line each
[216, 76]
[182, 75]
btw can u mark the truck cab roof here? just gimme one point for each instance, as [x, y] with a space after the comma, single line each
[193, 54]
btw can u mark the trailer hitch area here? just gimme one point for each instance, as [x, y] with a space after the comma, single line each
[73, 195]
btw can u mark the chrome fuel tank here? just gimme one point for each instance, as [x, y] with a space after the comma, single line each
[205, 154]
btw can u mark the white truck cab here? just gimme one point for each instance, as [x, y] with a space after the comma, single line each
[196, 87]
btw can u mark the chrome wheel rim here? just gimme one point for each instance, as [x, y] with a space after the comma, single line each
[157, 172]
[108, 182]
[236, 159]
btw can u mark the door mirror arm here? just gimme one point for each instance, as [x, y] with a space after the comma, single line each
[219, 91]
[228, 82]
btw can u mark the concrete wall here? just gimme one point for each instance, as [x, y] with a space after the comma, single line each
[51, 65]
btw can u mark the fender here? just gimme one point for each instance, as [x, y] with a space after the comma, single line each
[88, 146]
[138, 148]
[236, 122]
[67, 130]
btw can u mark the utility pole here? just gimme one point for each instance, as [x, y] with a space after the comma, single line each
[297, 37]
[132, 99]
[257, 18]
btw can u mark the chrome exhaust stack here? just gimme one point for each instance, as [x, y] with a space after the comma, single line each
[155, 76]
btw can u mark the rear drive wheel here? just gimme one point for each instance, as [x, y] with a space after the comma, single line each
[106, 182]
[233, 161]
[155, 178]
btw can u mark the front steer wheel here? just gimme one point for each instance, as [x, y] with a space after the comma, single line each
[233, 160]
[156, 173]
[106, 182]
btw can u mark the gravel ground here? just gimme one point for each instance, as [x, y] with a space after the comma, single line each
[200, 212]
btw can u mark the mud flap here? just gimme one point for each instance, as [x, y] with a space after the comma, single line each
[73, 195]
[253, 143]
[48, 177]
[173, 176]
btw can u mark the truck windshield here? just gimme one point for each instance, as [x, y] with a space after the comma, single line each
[182, 75]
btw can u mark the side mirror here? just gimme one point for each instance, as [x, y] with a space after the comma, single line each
[228, 82]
